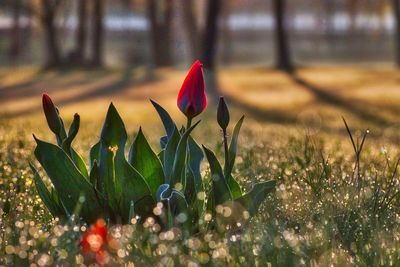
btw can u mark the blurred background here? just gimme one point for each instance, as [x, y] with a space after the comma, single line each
[157, 33]
[294, 62]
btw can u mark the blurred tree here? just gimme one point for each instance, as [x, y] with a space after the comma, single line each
[283, 57]
[214, 8]
[15, 44]
[396, 11]
[160, 17]
[98, 32]
[353, 8]
[81, 32]
[191, 28]
[48, 13]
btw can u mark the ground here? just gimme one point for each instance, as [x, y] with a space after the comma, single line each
[327, 208]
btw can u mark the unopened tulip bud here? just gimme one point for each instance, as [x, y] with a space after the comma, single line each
[52, 117]
[223, 114]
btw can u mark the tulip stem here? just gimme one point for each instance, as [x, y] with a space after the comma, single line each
[189, 123]
[225, 146]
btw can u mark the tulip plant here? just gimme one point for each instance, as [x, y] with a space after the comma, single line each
[167, 185]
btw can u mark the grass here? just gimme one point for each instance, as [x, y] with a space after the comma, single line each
[336, 203]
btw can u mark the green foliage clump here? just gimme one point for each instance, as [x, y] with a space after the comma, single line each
[167, 185]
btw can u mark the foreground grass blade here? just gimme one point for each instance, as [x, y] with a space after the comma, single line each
[253, 199]
[146, 162]
[68, 180]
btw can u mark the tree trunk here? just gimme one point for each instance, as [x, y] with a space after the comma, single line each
[98, 32]
[190, 25]
[81, 33]
[396, 10]
[226, 34]
[15, 45]
[160, 25]
[211, 33]
[283, 59]
[48, 22]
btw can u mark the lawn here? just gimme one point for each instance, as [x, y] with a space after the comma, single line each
[332, 206]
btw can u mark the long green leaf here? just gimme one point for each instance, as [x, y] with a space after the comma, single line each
[68, 180]
[119, 182]
[178, 169]
[73, 131]
[112, 145]
[55, 209]
[94, 154]
[220, 188]
[146, 162]
[166, 119]
[135, 189]
[233, 148]
[253, 199]
[234, 187]
[79, 163]
[194, 183]
[169, 154]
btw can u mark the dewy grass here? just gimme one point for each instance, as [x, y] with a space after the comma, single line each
[317, 217]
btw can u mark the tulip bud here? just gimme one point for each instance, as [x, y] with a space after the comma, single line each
[192, 98]
[223, 114]
[52, 117]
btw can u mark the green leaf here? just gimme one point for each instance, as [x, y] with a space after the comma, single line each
[112, 146]
[169, 154]
[119, 182]
[163, 141]
[234, 187]
[233, 148]
[55, 209]
[68, 181]
[194, 182]
[175, 202]
[94, 154]
[180, 158]
[94, 174]
[220, 188]
[73, 131]
[166, 119]
[253, 199]
[146, 162]
[79, 163]
[135, 189]
[143, 207]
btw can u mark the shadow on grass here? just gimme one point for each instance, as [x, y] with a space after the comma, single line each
[322, 95]
[126, 82]
[353, 107]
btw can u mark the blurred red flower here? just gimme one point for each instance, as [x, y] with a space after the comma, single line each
[94, 240]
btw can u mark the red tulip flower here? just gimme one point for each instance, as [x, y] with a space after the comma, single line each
[192, 98]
